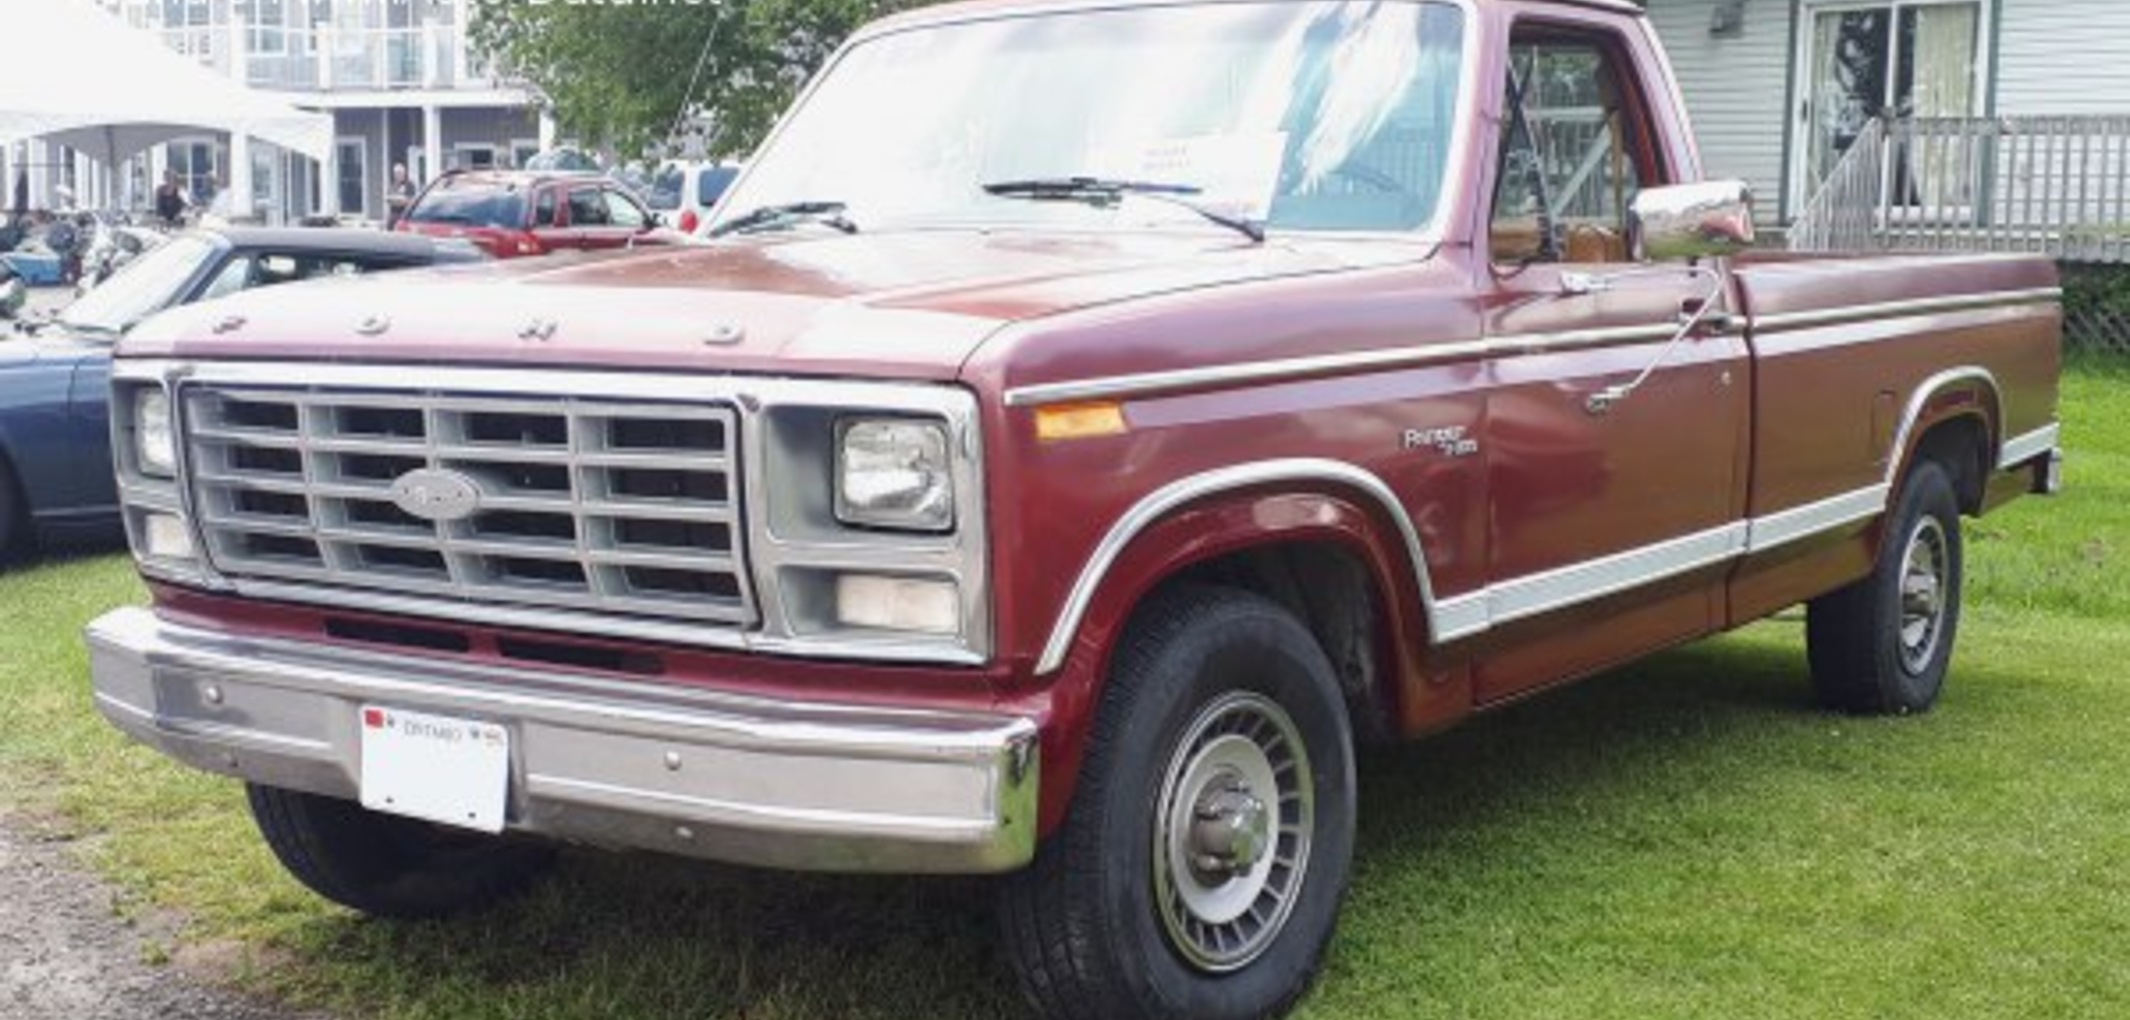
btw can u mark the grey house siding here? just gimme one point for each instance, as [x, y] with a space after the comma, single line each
[1736, 89]
[2063, 57]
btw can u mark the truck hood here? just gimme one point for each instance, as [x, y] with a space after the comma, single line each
[907, 305]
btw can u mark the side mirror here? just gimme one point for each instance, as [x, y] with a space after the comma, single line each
[1689, 222]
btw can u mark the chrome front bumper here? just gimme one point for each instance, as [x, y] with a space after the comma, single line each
[748, 780]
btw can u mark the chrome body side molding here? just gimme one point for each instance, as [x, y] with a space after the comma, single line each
[1898, 309]
[1143, 384]
[1576, 583]
[2020, 449]
[1786, 526]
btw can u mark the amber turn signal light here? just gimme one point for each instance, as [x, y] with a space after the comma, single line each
[1080, 421]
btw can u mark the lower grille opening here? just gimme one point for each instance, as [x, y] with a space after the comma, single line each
[694, 435]
[517, 429]
[662, 534]
[257, 414]
[653, 483]
[556, 653]
[380, 422]
[535, 478]
[398, 634]
[520, 524]
[266, 460]
[681, 583]
[371, 514]
[255, 546]
[270, 504]
[376, 467]
[396, 558]
[541, 572]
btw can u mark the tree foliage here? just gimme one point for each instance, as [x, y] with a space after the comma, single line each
[617, 71]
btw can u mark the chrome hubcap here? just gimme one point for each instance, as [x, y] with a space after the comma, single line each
[1924, 578]
[1232, 832]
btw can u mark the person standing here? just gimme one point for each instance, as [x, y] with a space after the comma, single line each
[170, 200]
[399, 196]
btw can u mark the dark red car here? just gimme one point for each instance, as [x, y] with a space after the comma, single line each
[512, 213]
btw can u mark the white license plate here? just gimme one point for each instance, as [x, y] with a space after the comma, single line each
[435, 767]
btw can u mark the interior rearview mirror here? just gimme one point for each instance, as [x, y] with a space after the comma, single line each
[1688, 222]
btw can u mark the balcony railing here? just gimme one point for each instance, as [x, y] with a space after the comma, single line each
[2056, 186]
[324, 59]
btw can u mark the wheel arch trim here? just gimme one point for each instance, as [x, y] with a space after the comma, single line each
[1158, 504]
[1912, 427]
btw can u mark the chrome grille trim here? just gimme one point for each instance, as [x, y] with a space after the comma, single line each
[791, 536]
[615, 509]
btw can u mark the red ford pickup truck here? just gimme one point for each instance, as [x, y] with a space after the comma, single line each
[1089, 422]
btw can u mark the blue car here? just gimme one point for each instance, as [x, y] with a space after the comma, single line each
[55, 443]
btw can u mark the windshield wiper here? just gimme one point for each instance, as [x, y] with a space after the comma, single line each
[829, 214]
[1104, 193]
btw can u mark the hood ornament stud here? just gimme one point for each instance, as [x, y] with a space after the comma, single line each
[724, 333]
[538, 330]
[374, 325]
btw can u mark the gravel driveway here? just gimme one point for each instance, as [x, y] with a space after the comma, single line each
[64, 956]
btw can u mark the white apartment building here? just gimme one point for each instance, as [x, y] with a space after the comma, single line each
[396, 76]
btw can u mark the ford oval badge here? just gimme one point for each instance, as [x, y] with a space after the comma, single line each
[434, 494]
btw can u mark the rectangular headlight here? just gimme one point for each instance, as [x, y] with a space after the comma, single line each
[894, 473]
[154, 442]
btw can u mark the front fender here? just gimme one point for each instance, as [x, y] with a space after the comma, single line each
[1421, 694]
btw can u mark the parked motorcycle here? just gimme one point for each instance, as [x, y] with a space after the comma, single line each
[115, 243]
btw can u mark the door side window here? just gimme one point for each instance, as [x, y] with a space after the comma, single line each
[544, 209]
[1571, 158]
[622, 212]
[234, 276]
[587, 208]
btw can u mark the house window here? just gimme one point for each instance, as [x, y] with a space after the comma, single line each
[354, 182]
[266, 25]
[473, 156]
[1891, 61]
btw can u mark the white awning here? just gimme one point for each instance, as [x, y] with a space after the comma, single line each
[80, 77]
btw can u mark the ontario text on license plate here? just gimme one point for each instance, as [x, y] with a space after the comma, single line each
[435, 767]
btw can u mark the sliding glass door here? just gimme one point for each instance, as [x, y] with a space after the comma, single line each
[1893, 60]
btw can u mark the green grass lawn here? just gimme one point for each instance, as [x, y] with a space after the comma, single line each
[1685, 838]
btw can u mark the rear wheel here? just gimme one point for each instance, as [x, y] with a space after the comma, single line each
[386, 865]
[1883, 645]
[1200, 870]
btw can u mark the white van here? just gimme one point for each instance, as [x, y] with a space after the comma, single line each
[683, 193]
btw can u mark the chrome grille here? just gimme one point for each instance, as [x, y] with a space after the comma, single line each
[621, 509]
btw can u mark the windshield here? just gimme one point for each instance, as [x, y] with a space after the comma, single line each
[475, 203]
[1305, 116]
[145, 286]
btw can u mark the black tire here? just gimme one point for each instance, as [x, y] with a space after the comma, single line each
[1882, 646]
[386, 865]
[1084, 926]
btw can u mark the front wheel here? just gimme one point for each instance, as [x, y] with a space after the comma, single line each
[1200, 870]
[1883, 645]
[387, 865]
